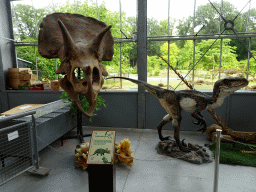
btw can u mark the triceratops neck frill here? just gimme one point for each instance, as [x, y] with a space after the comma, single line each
[98, 39]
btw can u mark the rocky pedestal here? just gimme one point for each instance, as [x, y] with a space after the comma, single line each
[198, 154]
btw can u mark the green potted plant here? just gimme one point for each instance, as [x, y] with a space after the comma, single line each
[85, 104]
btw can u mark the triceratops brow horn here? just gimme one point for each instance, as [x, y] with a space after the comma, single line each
[97, 40]
[70, 47]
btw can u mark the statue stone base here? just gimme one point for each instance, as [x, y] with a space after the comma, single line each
[198, 154]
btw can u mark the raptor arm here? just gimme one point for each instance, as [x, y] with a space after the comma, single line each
[201, 121]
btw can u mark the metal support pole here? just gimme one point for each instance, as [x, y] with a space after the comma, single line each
[98, 15]
[142, 59]
[194, 49]
[35, 17]
[53, 7]
[56, 67]
[194, 60]
[75, 5]
[249, 55]
[36, 63]
[248, 16]
[168, 33]
[249, 46]
[120, 12]
[221, 8]
[16, 21]
[217, 159]
[37, 170]
[221, 42]
[120, 65]
[36, 159]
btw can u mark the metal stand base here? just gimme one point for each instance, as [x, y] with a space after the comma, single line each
[42, 171]
[80, 134]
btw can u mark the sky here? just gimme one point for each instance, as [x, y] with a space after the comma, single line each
[157, 9]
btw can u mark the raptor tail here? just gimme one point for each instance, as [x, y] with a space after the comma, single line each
[154, 90]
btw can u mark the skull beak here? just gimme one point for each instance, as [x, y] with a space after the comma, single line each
[90, 110]
[67, 86]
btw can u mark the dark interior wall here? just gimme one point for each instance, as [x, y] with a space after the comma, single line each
[7, 49]
[238, 110]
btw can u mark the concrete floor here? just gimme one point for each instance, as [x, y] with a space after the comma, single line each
[150, 172]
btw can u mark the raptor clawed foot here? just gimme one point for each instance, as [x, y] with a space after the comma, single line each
[184, 149]
[202, 129]
[165, 138]
[183, 146]
[183, 143]
[200, 122]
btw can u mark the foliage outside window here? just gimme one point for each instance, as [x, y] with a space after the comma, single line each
[234, 55]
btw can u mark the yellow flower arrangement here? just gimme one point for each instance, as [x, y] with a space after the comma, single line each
[81, 154]
[123, 154]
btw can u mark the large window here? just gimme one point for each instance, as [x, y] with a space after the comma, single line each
[202, 40]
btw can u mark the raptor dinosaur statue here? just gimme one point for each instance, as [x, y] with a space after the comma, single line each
[189, 101]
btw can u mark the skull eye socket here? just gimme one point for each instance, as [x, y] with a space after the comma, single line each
[76, 71]
[95, 75]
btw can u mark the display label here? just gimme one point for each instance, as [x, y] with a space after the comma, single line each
[25, 107]
[13, 135]
[102, 147]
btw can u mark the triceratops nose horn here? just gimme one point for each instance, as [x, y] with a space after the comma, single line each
[87, 70]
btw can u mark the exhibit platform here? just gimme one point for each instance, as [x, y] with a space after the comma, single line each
[150, 171]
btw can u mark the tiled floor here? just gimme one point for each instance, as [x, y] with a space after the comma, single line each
[150, 172]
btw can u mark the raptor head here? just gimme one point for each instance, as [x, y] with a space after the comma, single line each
[229, 85]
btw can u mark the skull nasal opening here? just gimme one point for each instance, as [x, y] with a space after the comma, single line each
[95, 75]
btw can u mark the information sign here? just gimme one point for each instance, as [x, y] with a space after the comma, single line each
[102, 147]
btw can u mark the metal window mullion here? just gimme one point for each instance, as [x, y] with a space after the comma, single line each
[221, 8]
[98, 15]
[194, 49]
[56, 64]
[35, 17]
[168, 33]
[36, 63]
[249, 46]
[120, 12]
[75, 5]
[142, 60]
[248, 16]
[249, 55]
[53, 6]
[56, 67]
[221, 43]
[194, 60]
[17, 23]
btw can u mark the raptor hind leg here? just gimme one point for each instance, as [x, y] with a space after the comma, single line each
[165, 120]
[176, 126]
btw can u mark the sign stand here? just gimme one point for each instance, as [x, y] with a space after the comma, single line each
[102, 178]
[101, 169]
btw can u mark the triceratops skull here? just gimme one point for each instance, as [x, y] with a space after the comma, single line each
[80, 43]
